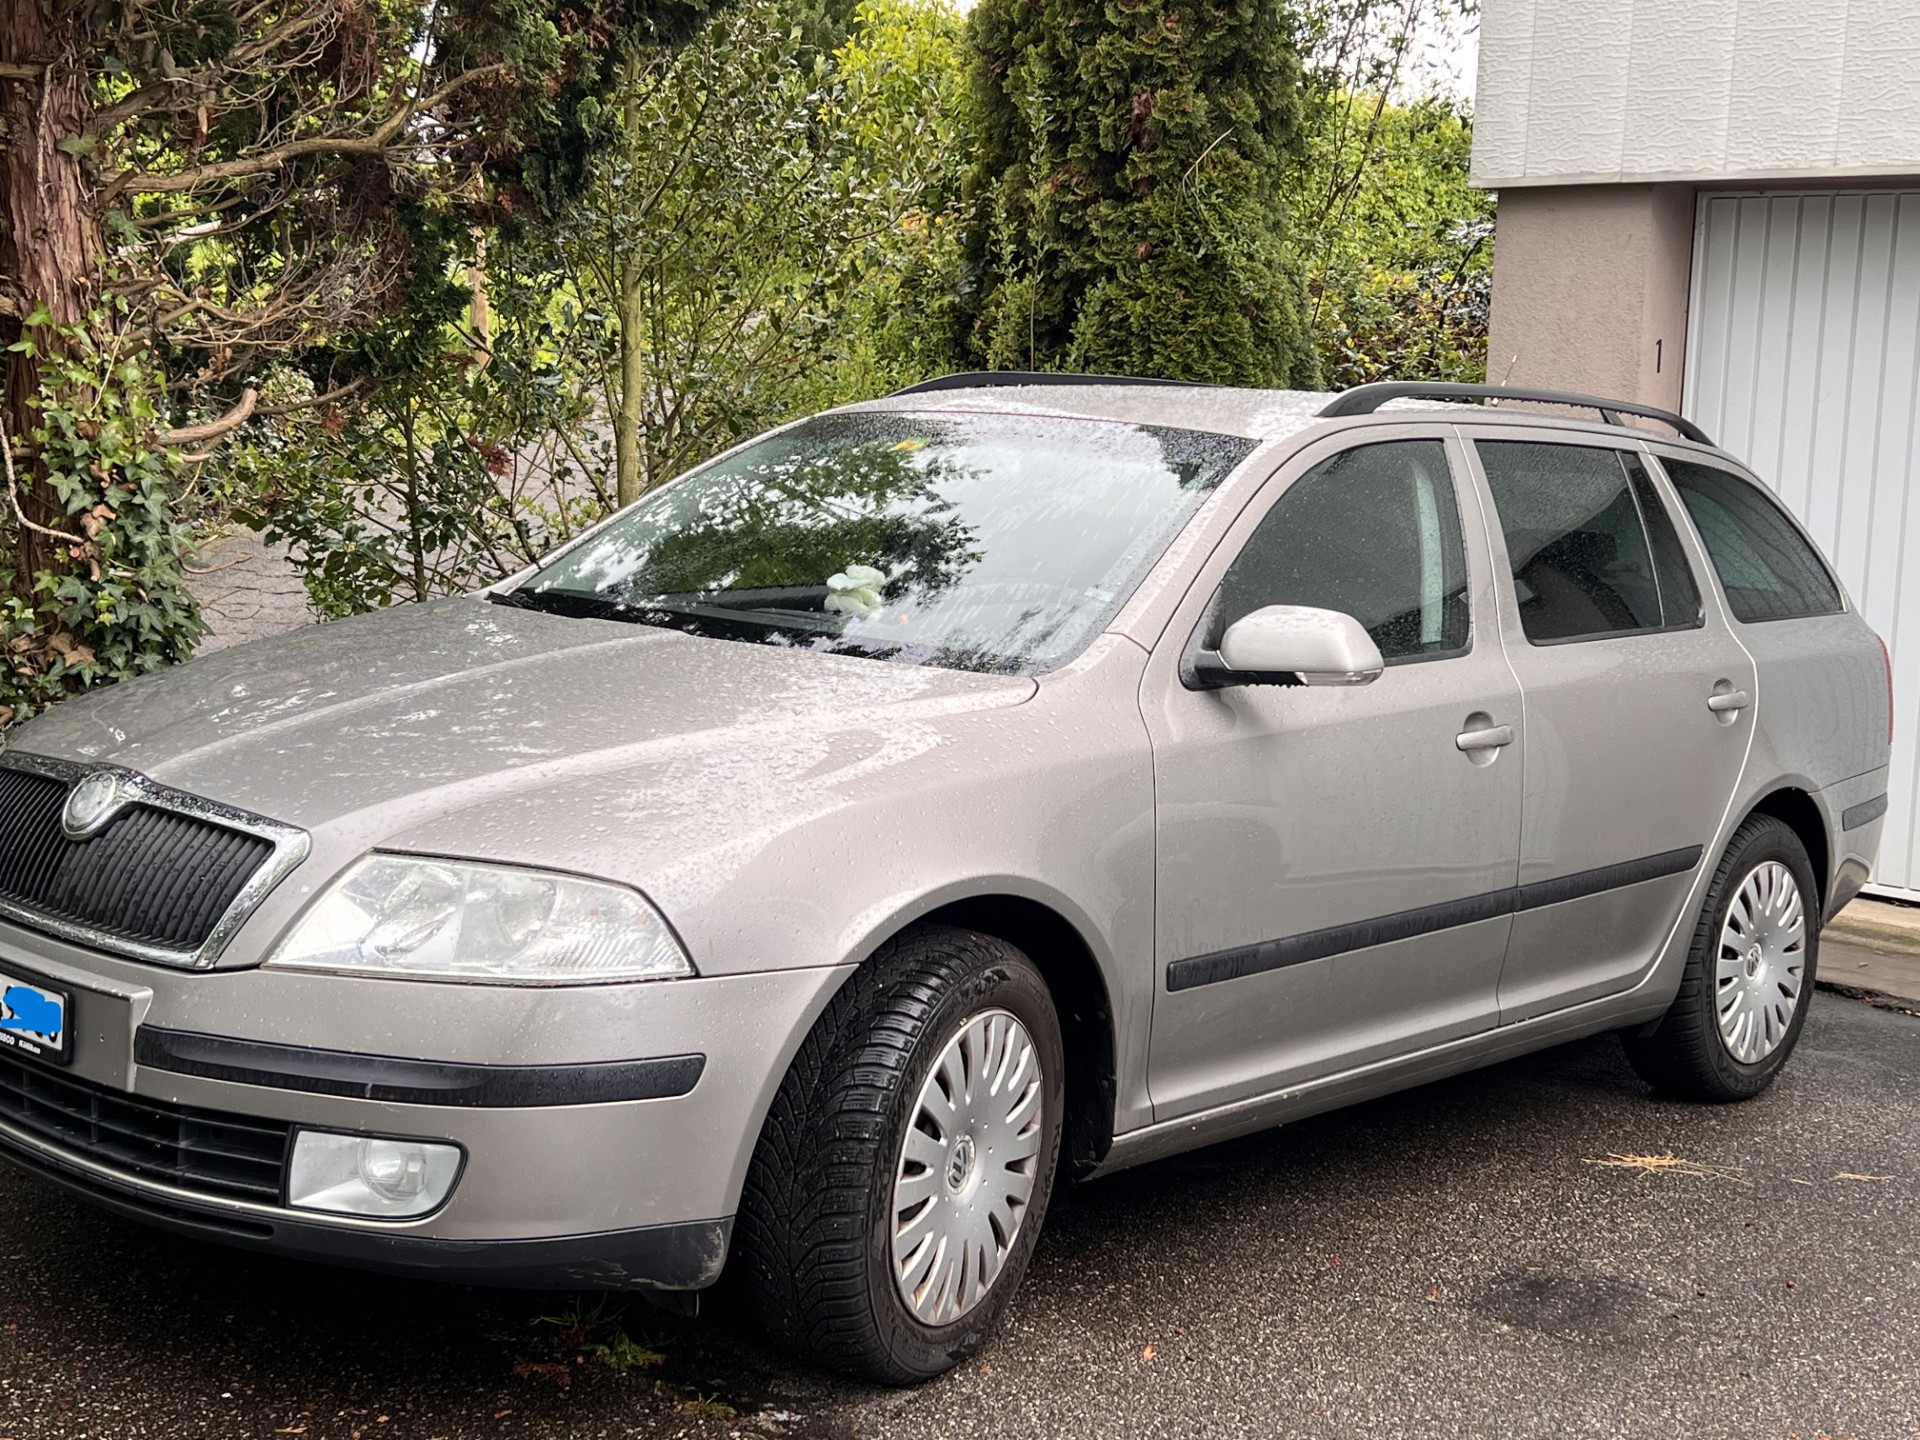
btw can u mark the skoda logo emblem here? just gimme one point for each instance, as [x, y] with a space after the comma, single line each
[92, 804]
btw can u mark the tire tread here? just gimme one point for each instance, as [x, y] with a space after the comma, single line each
[1683, 1056]
[803, 1227]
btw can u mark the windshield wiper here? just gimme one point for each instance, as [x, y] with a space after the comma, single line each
[562, 602]
[518, 599]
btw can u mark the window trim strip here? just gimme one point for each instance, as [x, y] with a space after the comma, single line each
[1245, 960]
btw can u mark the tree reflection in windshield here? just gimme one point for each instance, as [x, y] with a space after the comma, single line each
[971, 541]
[793, 520]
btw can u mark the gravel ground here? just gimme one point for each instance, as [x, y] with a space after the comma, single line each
[1448, 1262]
[247, 589]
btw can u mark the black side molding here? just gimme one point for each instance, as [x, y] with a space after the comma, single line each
[413, 1082]
[1405, 924]
[1854, 816]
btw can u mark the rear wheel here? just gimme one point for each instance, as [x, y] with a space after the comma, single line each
[900, 1182]
[1743, 997]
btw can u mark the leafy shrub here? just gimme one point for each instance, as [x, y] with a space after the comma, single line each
[1399, 245]
[117, 605]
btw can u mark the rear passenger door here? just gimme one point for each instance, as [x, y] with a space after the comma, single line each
[1637, 702]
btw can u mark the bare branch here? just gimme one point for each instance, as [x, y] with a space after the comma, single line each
[182, 91]
[291, 406]
[213, 429]
[381, 140]
[13, 496]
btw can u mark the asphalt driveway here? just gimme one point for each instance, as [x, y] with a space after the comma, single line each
[1537, 1250]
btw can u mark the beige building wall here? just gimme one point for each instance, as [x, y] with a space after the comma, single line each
[1742, 91]
[1590, 288]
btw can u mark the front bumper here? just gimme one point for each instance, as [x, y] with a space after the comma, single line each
[606, 1129]
[685, 1256]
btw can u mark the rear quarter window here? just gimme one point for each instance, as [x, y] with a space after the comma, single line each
[1766, 567]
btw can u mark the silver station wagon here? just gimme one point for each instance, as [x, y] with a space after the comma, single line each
[1016, 778]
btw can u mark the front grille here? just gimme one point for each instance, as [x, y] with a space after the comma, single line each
[154, 877]
[204, 1151]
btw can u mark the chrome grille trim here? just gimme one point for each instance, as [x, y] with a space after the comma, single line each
[290, 847]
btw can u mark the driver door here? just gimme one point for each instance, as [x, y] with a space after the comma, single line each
[1332, 867]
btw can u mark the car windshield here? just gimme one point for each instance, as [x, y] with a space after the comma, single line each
[977, 542]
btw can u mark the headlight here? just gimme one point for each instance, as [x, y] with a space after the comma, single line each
[450, 920]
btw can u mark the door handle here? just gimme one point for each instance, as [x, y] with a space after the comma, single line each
[1490, 737]
[1729, 702]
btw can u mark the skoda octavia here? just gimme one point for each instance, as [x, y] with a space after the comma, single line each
[928, 802]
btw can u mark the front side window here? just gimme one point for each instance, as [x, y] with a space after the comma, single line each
[1766, 566]
[1577, 542]
[977, 542]
[1375, 533]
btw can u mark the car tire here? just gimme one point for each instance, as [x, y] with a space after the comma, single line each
[822, 1211]
[1734, 1023]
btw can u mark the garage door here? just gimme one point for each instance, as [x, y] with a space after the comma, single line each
[1803, 358]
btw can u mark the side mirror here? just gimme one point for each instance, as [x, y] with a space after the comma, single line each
[1290, 645]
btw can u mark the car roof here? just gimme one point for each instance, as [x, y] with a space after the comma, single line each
[1252, 414]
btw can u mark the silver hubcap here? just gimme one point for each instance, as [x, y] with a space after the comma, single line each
[1763, 963]
[967, 1167]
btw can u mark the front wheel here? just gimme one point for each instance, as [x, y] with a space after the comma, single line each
[1749, 976]
[900, 1181]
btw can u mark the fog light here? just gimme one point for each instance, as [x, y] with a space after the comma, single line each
[360, 1175]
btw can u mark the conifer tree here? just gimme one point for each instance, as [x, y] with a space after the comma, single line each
[1127, 193]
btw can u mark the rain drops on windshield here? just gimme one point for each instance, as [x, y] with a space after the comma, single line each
[977, 542]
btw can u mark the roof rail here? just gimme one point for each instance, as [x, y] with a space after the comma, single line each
[984, 379]
[1365, 399]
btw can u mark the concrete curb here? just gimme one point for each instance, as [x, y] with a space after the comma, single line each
[1886, 975]
[1874, 932]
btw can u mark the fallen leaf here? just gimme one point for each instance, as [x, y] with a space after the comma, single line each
[1670, 1164]
[1147, 1354]
[554, 1370]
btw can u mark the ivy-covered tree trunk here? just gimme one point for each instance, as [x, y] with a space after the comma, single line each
[1127, 192]
[50, 241]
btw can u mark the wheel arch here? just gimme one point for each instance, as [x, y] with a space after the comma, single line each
[1082, 996]
[1800, 812]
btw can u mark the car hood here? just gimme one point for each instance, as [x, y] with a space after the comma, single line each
[414, 713]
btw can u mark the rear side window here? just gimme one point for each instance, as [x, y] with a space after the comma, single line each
[1375, 533]
[1768, 569]
[1577, 539]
